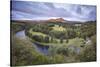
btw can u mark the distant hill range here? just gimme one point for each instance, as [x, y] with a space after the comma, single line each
[49, 20]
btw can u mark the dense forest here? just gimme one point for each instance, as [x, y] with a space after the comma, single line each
[53, 42]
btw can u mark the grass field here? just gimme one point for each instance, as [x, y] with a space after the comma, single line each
[58, 28]
[36, 33]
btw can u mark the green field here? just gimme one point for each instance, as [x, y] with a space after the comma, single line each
[58, 28]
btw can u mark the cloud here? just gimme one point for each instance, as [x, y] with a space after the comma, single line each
[22, 10]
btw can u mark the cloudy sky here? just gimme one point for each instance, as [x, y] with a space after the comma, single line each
[29, 10]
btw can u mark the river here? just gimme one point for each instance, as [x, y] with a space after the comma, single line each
[21, 34]
[41, 48]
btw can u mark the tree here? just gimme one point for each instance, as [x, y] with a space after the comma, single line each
[61, 40]
[51, 40]
[66, 40]
[38, 38]
[47, 39]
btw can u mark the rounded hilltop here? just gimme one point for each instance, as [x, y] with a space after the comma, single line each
[56, 20]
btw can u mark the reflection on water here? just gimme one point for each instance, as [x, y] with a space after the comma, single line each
[42, 49]
[21, 34]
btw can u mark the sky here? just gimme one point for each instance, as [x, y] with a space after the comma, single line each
[29, 10]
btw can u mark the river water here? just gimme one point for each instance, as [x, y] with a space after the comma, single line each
[21, 34]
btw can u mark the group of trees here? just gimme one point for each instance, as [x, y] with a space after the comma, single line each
[23, 51]
[15, 27]
[40, 38]
[87, 29]
[89, 52]
[48, 39]
[41, 28]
